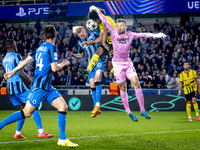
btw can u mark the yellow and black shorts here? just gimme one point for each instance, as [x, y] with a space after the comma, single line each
[109, 51]
[188, 97]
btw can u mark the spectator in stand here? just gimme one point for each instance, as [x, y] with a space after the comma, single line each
[62, 30]
[160, 82]
[185, 36]
[63, 78]
[147, 82]
[140, 28]
[69, 32]
[75, 80]
[59, 77]
[165, 24]
[110, 78]
[170, 82]
[141, 80]
[64, 41]
[170, 67]
[135, 24]
[154, 82]
[69, 78]
[177, 80]
[156, 24]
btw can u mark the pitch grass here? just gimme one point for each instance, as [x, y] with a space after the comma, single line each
[110, 130]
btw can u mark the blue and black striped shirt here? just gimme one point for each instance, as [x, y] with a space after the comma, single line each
[90, 50]
[15, 85]
[45, 55]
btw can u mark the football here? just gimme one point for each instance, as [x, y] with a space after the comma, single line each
[91, 25]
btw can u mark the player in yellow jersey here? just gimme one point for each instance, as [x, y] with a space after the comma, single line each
[104, 39]
[189, 79]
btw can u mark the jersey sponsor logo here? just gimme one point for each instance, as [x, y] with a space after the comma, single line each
[90, 37]
[123, 40]
[55, 56]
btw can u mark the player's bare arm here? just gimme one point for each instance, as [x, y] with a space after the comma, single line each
[197, 83]
[24, 76]
[78, 56]
[180, 87]
[56, 67]
[28, 60]
[105, 36]
[98, 40]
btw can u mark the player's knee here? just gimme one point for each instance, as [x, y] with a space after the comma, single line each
[194, 100]
[27, 114]
[100, 51]
[122, 87]
[63, 108]
[136, 84]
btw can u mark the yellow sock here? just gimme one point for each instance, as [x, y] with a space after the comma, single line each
[112, 71]
[93, 62]
[196, 108]
[188, 109]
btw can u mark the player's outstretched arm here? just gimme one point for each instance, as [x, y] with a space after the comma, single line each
[148, 35]
[103, 19]
[78, 56]
[97, 41]
[56, 67]
[28, 60]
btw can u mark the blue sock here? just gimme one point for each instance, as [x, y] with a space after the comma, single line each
[12, 118]
[20, 124]
[94, 95]
[98, 91]
[37, 119]
[62, 124]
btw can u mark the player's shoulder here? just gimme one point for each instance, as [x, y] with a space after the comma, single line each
[46, 47]
[182, 73]
[9, 55]
[193, 71]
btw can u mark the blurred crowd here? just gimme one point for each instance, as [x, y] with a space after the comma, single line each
[158, 62]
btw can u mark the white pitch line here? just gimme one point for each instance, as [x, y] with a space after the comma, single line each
[96, 136]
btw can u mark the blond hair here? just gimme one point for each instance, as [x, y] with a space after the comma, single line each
[121, 20]
[77, 29]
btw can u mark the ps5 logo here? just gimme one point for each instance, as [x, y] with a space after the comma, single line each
[21, 12]
[32, 11]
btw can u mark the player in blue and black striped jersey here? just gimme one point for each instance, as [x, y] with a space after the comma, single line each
[96, 73]
[46, 63]
[17, 89]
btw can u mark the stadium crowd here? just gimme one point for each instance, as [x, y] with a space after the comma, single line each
[158, 62]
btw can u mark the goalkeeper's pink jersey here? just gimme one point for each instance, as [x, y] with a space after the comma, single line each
[122, 42]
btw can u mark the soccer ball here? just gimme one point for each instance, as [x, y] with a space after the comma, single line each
[91, 25]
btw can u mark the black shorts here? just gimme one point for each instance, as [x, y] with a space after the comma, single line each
[188, 97]
[108, 52]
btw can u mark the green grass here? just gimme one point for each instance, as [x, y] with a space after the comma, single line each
[110, 130]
